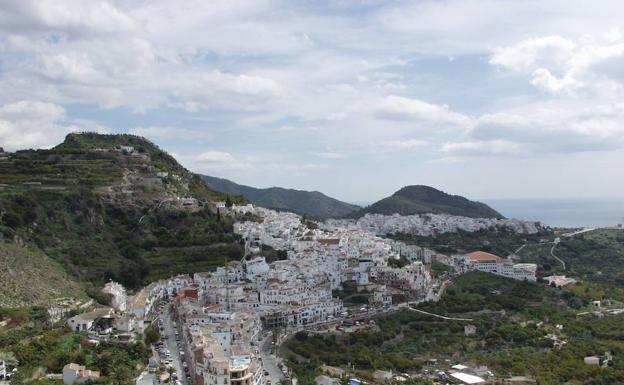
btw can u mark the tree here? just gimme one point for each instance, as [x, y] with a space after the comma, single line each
[17, 378]
[151, 335]
[121, 375]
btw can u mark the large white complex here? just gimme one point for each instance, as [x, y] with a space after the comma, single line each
[490, 263]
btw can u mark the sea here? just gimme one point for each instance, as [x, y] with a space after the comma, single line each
[565, 212]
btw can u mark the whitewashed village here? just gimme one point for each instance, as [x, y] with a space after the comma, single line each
[221, 327]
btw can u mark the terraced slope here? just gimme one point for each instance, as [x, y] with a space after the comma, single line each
[103, 210]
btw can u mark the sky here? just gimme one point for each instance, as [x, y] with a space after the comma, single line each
[486, 99]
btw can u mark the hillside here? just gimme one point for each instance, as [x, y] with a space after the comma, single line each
[520, 329]
[596, 256]
[309, 203]
[424, 199]
[28, 276]
[103, 211]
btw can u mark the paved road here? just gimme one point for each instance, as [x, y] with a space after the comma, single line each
[519, 249]
[269, 361]
[554, 244]
[171, 344]
[144, 379]
[552, 254]
[439, 316]
[585, 230]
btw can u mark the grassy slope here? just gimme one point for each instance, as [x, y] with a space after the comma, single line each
[424, 199]
[29, 277]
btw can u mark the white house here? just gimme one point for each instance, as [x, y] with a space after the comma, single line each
[84, 322]
[256, 266]
[465, 378]
[592, 360]
[560, 280]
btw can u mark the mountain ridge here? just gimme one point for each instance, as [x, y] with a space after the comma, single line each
[421, 199]
[313, 204]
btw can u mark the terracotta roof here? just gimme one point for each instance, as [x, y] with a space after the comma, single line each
[482, 256]
[329, 241]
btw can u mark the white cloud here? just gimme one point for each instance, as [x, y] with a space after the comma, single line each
[331, 155]
[74, 16]
[216, 163]
[245, 165]
[33, 124]
[103, 54]
[548, 51]
[402, 108]
[482, 148]
[544, 79]
[559, 65]
[214, 157]
[169, 133]
[558, 126]
[407, 144]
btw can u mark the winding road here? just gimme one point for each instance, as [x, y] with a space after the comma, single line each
[552, 254]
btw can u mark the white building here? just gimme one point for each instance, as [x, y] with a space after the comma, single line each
[465, 378]
[118, 294]
[255, 267]
[560, 280]
[490, 263]
[85, 321]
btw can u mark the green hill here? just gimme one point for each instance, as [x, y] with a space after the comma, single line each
[424, 199]
[104, 211]
[309, 203]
